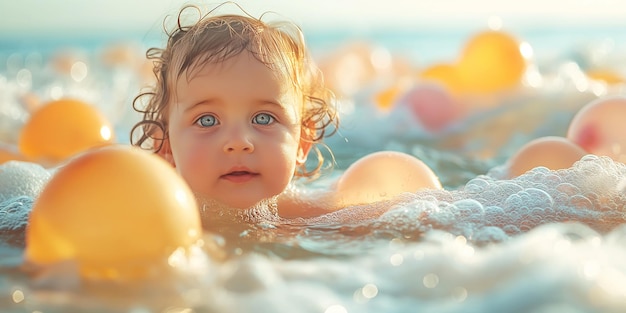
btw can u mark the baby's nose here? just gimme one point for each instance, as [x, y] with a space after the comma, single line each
[238, 142]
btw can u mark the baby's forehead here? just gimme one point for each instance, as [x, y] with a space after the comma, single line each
[209, 64]
[241, 71]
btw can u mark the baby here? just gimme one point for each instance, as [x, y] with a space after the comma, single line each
[237, 107]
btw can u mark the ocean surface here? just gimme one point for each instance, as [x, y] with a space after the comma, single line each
[546, 241]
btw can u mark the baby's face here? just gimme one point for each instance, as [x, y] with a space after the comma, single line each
[234, 132]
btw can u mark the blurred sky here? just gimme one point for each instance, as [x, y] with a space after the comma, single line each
[24, 17]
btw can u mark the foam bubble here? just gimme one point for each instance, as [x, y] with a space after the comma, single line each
[19, 178]
[13, 219]
[489, 209]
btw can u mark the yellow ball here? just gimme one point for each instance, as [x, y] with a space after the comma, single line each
[385, 99]
[491, 61]
[382, 176]
[116, 211]
[62, 128]
[609, 76]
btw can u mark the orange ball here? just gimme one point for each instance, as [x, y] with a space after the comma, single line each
[118, 212]
[552, 152]
[445, 74]
[387, 98]
[60, 129]
[491, 61]
[382, 176]
[599, 128]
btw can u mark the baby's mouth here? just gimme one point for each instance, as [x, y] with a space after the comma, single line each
[239, 173]
[239, 176]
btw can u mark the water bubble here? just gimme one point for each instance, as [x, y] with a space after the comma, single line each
[580, 202]
[336, 308]
[568, 189]
[17, 296]
[552, 180]
[489, 234]
[508, 187]
[396, 259]
[369, 291]
[528, 198]
[430, 280]
[56, 92]
[494, 215]
[461, 240]
[469, 210]
[79, 71]
[511, 230]
[24, 78]
[459, 294]
[477, 186]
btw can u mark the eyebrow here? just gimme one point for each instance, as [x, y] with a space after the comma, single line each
[211, 101]
[197, 104]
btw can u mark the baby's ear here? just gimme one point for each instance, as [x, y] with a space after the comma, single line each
[166, 152]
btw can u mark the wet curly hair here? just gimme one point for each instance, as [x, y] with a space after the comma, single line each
[214, 39]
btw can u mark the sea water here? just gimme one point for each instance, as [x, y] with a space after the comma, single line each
[547, 241]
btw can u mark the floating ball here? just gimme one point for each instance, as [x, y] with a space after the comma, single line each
[349, 68]
[384, 175]
[432, 106]
[608, 76]
[60, 129]
[552, 152]
[445, 74]
[492, 61]
[599, 128]
[117, 212]
[386, 99]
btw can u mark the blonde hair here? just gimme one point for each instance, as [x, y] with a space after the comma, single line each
[216, 38]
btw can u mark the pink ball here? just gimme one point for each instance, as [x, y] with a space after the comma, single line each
[552, 152]
[432, 105]
[383, 175]
[600, 128]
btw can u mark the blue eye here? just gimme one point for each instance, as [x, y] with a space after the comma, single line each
[207, 121]
[263, 119]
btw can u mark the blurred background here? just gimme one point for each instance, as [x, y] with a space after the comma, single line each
[73, 17]
[69, 21]
[378, 56]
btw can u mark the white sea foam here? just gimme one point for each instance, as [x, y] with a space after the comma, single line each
[21, 179]
[547, 241]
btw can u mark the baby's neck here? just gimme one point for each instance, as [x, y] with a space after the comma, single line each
[215, 213]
